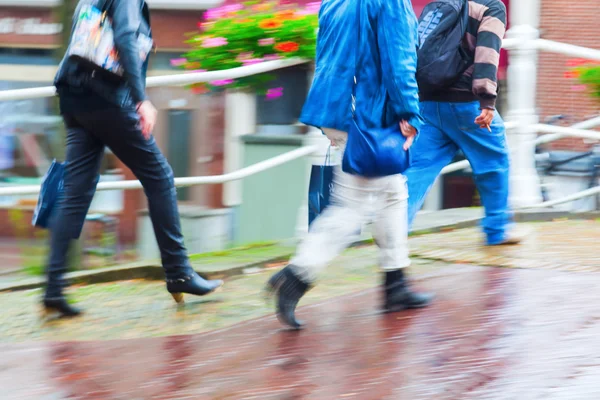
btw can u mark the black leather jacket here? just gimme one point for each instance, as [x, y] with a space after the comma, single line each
[129, 18]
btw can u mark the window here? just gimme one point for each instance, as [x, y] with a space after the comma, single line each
[27, 56]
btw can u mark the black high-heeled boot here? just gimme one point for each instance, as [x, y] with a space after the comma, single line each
[398, 295]
[289, 290]
[192, 284]
[59, 305]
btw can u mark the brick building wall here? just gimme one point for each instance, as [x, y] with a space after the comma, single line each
[574, 22]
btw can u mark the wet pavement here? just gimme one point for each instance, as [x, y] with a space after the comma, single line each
[529, 332]
[492, 334]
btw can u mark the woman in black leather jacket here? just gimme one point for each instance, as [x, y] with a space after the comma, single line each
[100, 111]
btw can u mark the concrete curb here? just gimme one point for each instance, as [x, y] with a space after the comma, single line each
[146, 271]
[153, 271]
[534, 215]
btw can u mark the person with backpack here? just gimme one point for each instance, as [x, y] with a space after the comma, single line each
[105, 106]
[458, 57]
[364, 87]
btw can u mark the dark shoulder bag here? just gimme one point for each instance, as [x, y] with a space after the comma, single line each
[374, 152]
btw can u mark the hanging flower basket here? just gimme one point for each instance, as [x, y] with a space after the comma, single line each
[588, 74]
[239, 35]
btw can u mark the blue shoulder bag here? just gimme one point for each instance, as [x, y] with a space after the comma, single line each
[50, 193]
[319, 190]
[374, 152]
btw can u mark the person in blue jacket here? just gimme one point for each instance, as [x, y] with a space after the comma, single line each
[386, 94]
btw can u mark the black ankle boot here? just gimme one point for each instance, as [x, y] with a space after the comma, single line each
[289, 290]
[192, 284]
[59, 305]
[274, 282]
[398, 295]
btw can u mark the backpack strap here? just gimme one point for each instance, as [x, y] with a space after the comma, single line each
[464, 16]
[106, 5]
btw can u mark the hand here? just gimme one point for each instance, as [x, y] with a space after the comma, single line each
[147, 114]
[485, 118]
[409, 133]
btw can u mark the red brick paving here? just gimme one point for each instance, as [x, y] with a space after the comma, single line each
[492, 334]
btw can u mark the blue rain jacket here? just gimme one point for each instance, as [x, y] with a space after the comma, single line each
[387, 89]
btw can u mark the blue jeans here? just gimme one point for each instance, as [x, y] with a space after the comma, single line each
[448, 128]
[88, 133]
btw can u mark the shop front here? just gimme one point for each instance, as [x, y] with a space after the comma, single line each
[189, 129]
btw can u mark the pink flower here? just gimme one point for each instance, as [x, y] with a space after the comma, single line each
[233, 8]
[214, 42]
[315, 6]
[220, 12]
[211, 15]
[178, 62]
[266, 42]
[223, 82]
[274, 93]
[310, 9]
[252, 61]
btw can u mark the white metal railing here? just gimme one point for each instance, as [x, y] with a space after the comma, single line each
[578, 130]
[169, 80]
[567, 199]
[555, 132]
[551, 46]
[184, 181]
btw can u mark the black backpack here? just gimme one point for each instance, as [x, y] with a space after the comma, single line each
[441, 56]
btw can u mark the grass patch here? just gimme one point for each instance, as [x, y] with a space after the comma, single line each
[254, 248]
[34, 269]
[34, 260]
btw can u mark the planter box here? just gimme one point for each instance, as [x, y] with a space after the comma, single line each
[204, 230]
[285, 110]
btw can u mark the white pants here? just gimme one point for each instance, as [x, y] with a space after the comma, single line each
[355, 200]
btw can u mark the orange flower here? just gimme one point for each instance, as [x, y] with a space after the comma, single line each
[192, 65]
[200, 89]
[270, 24]
[261, 7]
[572, 74]
[285, 15]
[287, 47]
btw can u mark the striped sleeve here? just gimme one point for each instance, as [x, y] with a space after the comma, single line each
[487, 54]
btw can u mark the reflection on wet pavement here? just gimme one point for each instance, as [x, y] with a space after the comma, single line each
[492, 334]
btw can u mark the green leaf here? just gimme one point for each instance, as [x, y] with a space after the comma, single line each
[243, 31]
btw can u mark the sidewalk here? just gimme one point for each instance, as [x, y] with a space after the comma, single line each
[135, 308]
[525, 332]
[250, 259]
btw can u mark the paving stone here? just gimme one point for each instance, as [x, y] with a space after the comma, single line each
[563, 245]
[528, 331]
[492, 334]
